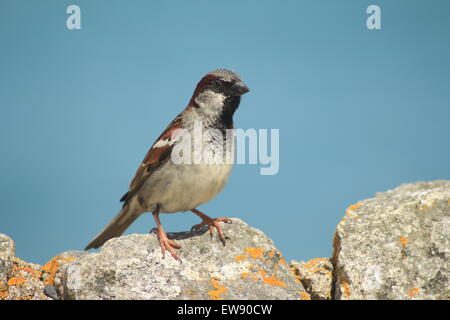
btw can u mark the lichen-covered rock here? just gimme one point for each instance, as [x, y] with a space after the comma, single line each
[131, 267]
[19, 280]
[316, 275]
[396, 245]
[7, 252]
[25, 282]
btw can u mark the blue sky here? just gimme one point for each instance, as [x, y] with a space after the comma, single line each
[359, 111]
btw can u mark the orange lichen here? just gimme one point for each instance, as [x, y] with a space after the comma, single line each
[52, 267]
[351, 208]
[346, 289]
[16, 281]
[34, 273]
[403, 241]
[273, 281]
[247, 275]
[216, 294]
[3, 291]
[304, 295]
[424, 207]
[312, 266]
[255, 253]
[251, 267]
[241, 257]
[3, 294]
[271, 253]
[312, 263]
[295, 274]
[282, 261]
[269, 280]
[354, 206]
[413, 291]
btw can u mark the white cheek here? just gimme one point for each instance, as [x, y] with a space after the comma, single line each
[210, 101]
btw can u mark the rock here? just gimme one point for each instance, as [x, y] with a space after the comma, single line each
[21, 280]
[316, 275]
[131, 267]
[396, 245]
[7, 252]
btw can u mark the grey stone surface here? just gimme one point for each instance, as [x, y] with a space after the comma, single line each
[396, 245]
[131, 267]
[7, 252]
[393, 246]
[316, 275]
[19, 280]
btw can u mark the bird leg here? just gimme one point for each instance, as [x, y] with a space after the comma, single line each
[164, 242]
[211, 223]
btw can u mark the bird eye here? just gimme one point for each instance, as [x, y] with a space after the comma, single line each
[216, 85]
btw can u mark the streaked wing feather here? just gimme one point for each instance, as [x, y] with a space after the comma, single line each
[158, 154]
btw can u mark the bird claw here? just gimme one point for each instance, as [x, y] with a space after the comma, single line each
[166, 244]
[213, 223]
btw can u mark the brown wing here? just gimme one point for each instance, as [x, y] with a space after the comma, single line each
[156, 156]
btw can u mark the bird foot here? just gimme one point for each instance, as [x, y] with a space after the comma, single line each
[166, 244]
[213, 223]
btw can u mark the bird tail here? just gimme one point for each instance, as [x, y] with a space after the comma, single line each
[115, 228]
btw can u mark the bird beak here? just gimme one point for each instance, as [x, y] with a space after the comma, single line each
[238, 89]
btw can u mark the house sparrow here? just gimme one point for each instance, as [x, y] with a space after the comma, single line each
[162, 186]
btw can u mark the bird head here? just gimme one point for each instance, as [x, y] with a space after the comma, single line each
[217, 89]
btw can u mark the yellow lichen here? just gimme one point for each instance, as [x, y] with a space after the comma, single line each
[273, 281]
[34, 273]
[255, 253]
[413, 291]
[271, 253]
[403, 241]
[346, 288]
[241, 257]
[52, 267]
[3, 294]
[304, 295]
[351, 208]
[216, 294]
[295, 274]
[16, 281]
[3, 291]
[312, 265]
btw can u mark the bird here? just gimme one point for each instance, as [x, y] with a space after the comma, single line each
[162, 185]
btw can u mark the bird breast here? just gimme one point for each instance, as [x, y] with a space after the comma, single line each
[182, 187]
